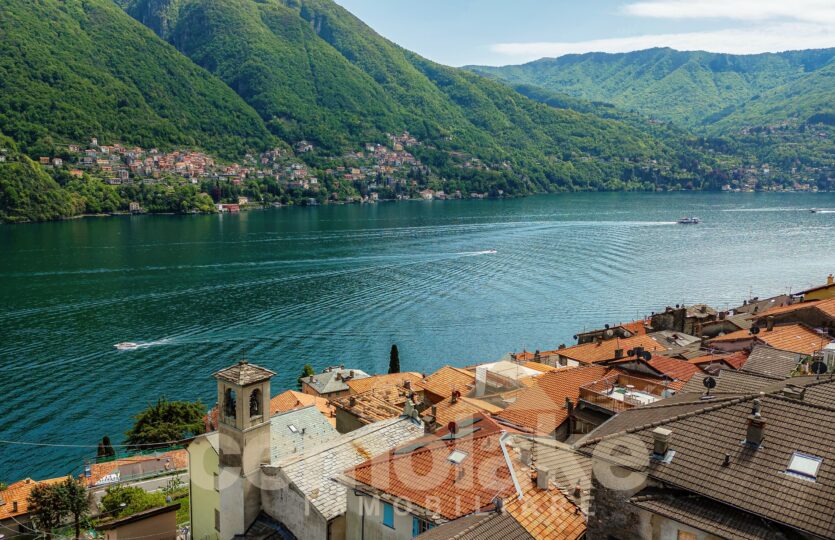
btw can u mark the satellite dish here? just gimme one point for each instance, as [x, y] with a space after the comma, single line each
[609, 333]
[646, 355]
[575, 336]
[819, 368]
[709, 383]
[755, 330]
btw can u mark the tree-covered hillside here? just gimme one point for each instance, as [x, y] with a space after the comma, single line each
[74, 69]
[717, 93]
[315, 72]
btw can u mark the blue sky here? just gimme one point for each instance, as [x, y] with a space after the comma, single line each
[498, 32]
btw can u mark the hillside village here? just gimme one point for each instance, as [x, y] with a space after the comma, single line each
[685, 425]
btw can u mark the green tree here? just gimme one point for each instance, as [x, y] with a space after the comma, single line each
[164, 422]
[75, 500]
[121, 501]
[46, 507]
[307, 371]
[394, 360]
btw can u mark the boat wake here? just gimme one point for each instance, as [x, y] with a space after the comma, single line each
[476, 253]
[132, 346]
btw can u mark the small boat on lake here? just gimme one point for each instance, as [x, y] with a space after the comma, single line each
[689, 221]
[815, 210]
[127, 346]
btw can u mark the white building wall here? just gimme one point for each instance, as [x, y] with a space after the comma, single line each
[372, 510]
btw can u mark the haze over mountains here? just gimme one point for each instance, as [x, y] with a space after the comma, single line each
[711, 92]
[240, 76]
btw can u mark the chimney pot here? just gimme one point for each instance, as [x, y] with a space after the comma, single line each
[14, 507]
[455, 395]
[830, 279]
[352, 401]
[578, 490]
[618, 354]
[661, 441]
[407, 385]
[543, 475]
[769, 323]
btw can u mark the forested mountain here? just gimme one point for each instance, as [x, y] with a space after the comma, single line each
[317, 73]
[716, 93]
[72, 69]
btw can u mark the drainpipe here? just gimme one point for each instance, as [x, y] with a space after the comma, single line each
[358, 493]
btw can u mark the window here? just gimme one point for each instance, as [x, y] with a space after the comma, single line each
[420, 526]
[255, 403]
[292, 428]
[388, 515]
[684, 535]
[229, 403]
[457, 457]
[217, 520]
[804, 465]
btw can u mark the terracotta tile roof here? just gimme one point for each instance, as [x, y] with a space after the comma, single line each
[380, 403]
[709, 516]
[174, 460]
[569, 468]
[423, 474]
[446, 411]
[785, 309]
[818, 288]
[359, 386]
[790, 337]
[548, 514]
[733, 360]
[244, 373]
[638, 327]
[541, 407]
[448, 378]
[602, 351]
[482, 526]
[291, 400]
[730, 382]
[544, 368]
[756, 479]
[675, 369]
[18, 492]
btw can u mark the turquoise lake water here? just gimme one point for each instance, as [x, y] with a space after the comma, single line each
[340, 284]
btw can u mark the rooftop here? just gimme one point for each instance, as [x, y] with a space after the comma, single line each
[602, 351]
[479, 526]
[18, 492]
[446, 411]
[334, 379]
[753, 474]
[139, 466]
[541, 407]
[790, 337]
[291, 400]
[294, 431]
[312, 470]
[448, 378]
[364, 384]
[771, 362]
[243, 373]
[379, 403]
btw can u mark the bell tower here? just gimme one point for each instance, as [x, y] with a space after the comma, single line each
[243, 398]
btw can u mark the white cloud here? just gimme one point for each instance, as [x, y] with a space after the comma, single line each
[771, 37]
[814, 11]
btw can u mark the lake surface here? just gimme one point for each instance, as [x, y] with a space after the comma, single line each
[340, 284]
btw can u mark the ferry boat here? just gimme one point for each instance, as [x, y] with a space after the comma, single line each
[689, 221]
[127, 346]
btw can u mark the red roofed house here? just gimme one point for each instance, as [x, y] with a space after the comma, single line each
[14, 506]
[445, 476]
[601, 351]
[791, 337]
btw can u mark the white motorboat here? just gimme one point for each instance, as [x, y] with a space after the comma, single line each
[689, 221]
[127, 346]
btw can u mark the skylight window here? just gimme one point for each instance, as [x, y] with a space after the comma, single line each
[457, 456]
[293, 428]
[804, 465]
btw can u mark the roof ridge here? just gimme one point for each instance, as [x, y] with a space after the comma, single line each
[473, 526]
[776, 395]
[676, 418]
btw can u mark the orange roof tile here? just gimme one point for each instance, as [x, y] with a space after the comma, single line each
[790, 337]
[292, 400]
[448, 378]
[359, 386]
[827, 307]
[175, 460]
[446, 411]
[426, 477]
[544, 368]
[679, 370]
[18, 492]
[602, 351]
[733, 360]
[548, 514]
[542, 407]
[379, 403]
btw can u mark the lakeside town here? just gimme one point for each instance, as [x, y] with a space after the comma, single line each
[683, 424]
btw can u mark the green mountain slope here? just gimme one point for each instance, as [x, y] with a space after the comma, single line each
[693, 89]
[72, 69]
[315, 72]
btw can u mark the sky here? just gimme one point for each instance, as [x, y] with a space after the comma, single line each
[501, 32]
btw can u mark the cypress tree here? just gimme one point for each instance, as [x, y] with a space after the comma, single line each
[394, 360]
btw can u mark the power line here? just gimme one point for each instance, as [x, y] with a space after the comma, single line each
[161, 445]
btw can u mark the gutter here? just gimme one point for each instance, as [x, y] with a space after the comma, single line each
[510, 465]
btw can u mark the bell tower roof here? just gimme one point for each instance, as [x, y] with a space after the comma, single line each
[244, 374]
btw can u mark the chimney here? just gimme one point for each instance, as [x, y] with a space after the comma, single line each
[618, 354]
[352, 401]
[351, 373]
[407, 384]
[543, 475]
[455, 395]
[525, 457]
[14, 507]
[756, 426]
[769, 323]
[830, 279]
[569, 406]
[722, 315]
[578, 491]
[661, 441]
[794, 392]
